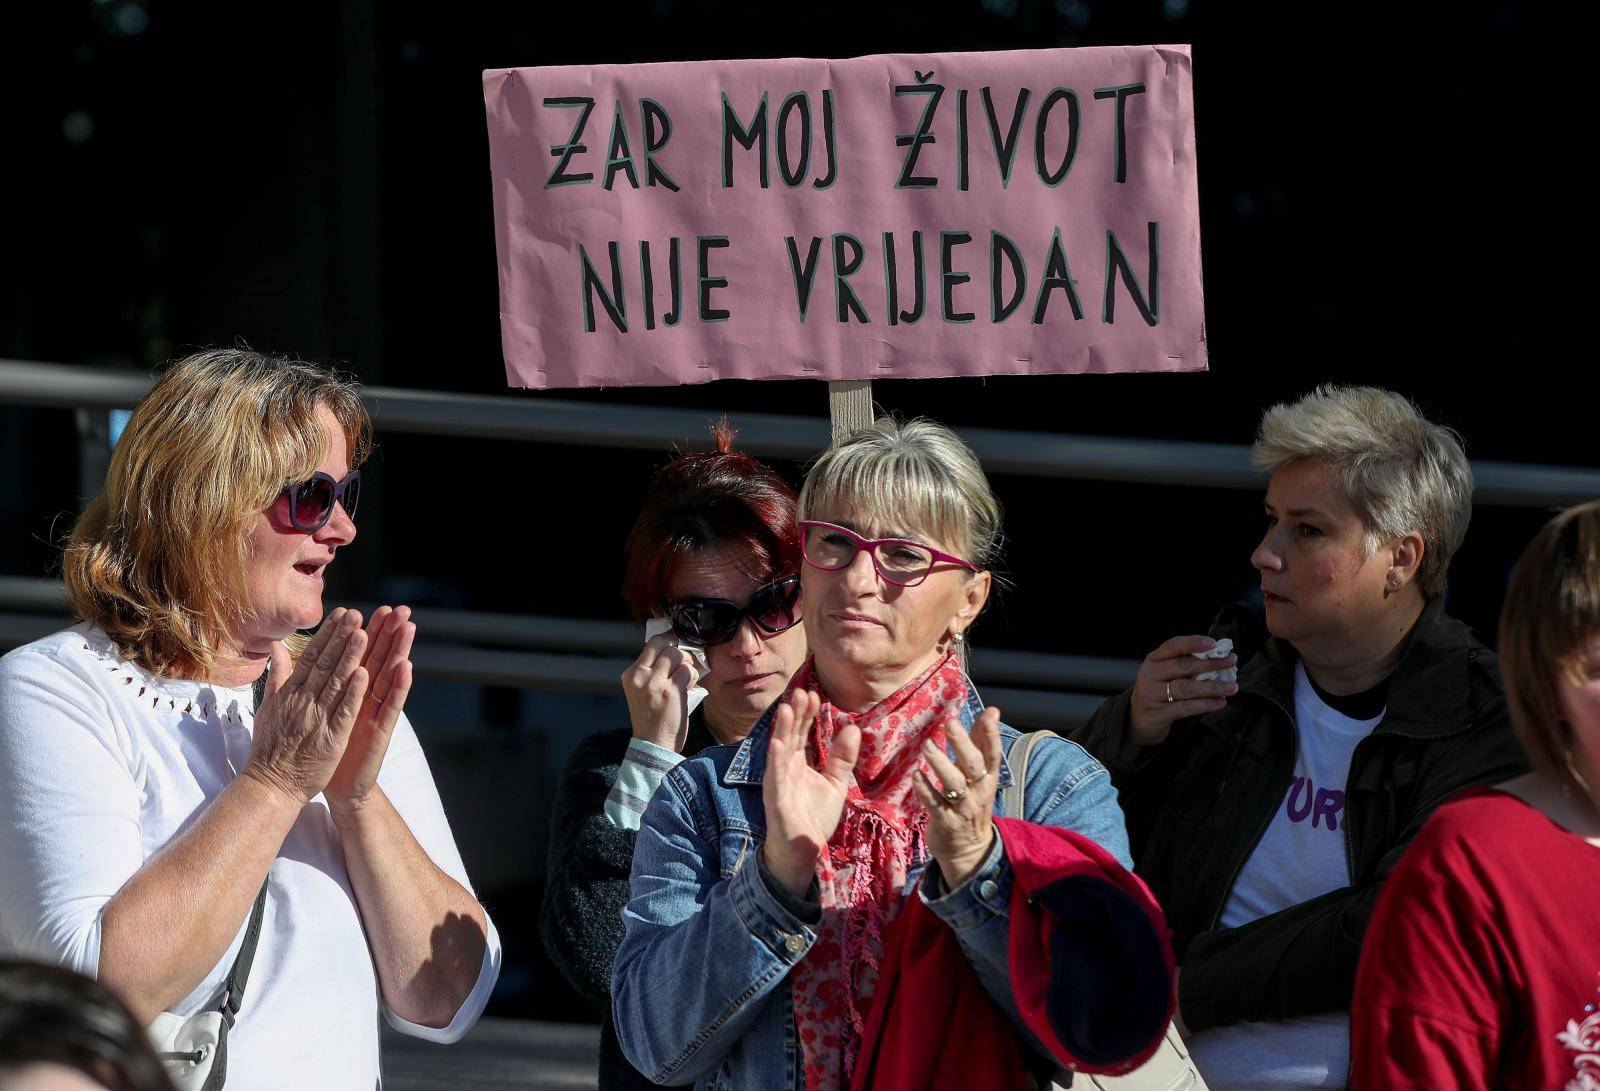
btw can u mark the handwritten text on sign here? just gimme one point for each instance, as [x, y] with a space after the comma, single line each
[884, 217]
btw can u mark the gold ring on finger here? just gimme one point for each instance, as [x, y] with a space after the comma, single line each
[1169, 693]
[954, 795]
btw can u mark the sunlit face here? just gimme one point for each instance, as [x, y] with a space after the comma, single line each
[1320, 581]
[752, 670]
[1578, 696]
[858, 621]
[286, 565]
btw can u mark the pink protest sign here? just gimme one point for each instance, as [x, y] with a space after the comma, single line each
[1017, 213]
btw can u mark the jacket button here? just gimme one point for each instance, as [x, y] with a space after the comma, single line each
[987, 889]
[794, 944]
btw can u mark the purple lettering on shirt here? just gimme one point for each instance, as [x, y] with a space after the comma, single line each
[1330, 801]
[1298, 812]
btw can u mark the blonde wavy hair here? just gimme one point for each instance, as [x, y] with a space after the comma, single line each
[159, 559]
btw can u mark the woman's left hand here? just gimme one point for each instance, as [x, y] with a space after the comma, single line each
[388, 664]
[961, 830]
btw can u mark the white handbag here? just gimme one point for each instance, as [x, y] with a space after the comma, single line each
[194, 1048]
[1170, 1068]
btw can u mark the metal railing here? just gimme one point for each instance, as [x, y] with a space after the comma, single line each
[539, 419]
[574, 655]
[570, 654]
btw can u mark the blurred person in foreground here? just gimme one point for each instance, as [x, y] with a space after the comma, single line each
[771, 877]
[715, 553]
[61, 1031]
[167, 759]
[1481, 967]
[1266, 813]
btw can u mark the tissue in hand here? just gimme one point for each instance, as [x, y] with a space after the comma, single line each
[658, 625]
[1223, 648]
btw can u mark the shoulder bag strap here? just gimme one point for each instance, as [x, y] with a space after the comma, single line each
[233, 988]
[239, 974]
[1016, 796]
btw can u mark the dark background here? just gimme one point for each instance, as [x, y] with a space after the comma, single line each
[312, 178]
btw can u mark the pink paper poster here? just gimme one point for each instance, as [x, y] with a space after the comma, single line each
[1012, 213]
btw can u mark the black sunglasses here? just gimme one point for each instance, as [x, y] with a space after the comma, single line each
[311, 501]
[709, 622]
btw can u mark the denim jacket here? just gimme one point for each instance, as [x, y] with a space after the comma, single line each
[700, 989]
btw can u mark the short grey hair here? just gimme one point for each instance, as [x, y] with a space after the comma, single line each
[916, 476]
[1402, 473]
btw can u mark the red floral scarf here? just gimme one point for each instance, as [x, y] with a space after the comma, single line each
[863, 868]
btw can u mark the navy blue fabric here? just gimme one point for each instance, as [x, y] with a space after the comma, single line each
[1109, 990]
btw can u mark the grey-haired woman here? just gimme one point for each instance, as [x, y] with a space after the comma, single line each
[1265, 813]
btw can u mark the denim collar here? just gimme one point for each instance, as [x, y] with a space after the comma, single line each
[749, 763]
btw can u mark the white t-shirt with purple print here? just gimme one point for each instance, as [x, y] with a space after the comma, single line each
[1300, 857]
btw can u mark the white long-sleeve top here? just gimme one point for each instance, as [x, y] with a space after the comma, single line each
[101, 764]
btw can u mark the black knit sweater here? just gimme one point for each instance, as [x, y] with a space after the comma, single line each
[587, 885]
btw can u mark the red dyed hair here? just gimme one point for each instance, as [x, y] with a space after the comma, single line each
[710, 499]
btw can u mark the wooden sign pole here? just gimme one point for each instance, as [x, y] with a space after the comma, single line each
[849, 406]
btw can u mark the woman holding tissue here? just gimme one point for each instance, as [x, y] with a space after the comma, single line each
[1267, 812]
[181, 763]
[769, 874]
[713, 566]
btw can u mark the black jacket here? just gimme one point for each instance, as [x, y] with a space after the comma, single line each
[587, 882]
[1198, 804]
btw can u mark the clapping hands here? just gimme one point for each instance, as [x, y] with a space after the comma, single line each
[961, 805]
[803, 805]
[324, 723]
[387, 663]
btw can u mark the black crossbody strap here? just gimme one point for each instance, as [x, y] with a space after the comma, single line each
[239, 974]
[233, 988]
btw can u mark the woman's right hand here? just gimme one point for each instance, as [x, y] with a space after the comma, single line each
[803, 805]
[309, 709]
[657, 687]
[1169, 672]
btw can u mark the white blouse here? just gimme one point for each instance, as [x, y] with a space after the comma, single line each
[101, 764]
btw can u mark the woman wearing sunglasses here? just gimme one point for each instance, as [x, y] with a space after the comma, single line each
[168, 770]
[768, 873]
[715, 557]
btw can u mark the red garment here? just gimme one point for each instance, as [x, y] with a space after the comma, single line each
[1091, 970]
[1090, 951]
[1481, 967]
[864, 867]
[933, 1026]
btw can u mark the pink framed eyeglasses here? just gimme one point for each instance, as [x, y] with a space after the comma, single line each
[900, 561]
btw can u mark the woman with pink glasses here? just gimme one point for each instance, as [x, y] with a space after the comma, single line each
[769, 873]
[203, 809]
